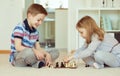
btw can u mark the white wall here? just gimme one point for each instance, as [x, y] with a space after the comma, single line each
[61, 19]
[27, 3]
[73, 5]
[10, 15]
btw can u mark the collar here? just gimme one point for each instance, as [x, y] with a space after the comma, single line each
[27, 27]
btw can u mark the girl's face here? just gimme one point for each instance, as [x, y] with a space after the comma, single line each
[35, 21]
[83, 32]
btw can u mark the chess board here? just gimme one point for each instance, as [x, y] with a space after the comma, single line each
[71, 65]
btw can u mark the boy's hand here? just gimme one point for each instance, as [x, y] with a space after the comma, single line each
[48, 60]
[40, 55]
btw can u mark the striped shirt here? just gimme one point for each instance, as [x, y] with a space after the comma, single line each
[24, 32]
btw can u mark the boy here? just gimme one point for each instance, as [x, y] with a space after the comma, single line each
[25, 47]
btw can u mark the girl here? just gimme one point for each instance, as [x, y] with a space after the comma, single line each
[99, 48]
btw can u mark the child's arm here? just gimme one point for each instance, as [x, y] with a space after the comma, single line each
[39, 52]
[91, 48]
[18, 45]
[37, 47]
[46, 54]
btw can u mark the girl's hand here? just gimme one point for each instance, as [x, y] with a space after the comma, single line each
[69, 57]
[66, 59]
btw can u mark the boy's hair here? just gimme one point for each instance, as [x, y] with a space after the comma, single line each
[35, 9]
[92, 28]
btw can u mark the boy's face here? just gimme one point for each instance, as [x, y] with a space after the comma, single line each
[35, 21]
[83, 32]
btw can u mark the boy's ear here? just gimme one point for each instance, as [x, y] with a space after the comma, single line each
[29, 15]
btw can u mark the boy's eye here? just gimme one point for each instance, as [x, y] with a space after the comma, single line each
[38, 20]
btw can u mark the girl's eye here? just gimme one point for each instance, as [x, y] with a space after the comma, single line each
[81, 32]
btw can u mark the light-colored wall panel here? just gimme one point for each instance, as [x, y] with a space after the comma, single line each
[61, 24]
[10, 15]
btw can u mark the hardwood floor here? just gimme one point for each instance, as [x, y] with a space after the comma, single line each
[4, 51]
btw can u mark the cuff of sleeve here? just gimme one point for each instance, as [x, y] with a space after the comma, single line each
[18, 37]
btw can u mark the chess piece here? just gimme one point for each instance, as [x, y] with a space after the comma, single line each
[72, 65]
[57, 65]
[62, 65]
[87, 65]
[51, 66]
[66, 65]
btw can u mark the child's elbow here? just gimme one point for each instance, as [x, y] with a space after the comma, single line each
[19, 48]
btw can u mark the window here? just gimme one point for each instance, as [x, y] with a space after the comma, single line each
[53, 3]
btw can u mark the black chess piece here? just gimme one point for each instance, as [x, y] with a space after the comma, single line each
[62, 65]
[87, 65]
[57, 65]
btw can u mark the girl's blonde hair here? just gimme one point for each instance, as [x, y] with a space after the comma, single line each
[90, 25]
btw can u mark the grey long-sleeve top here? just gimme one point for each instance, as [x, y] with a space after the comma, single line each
[96, 45]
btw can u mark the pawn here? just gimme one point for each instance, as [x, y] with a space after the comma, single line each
[57, 65]
[66, 65]
[51, 66]
[74, 64]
